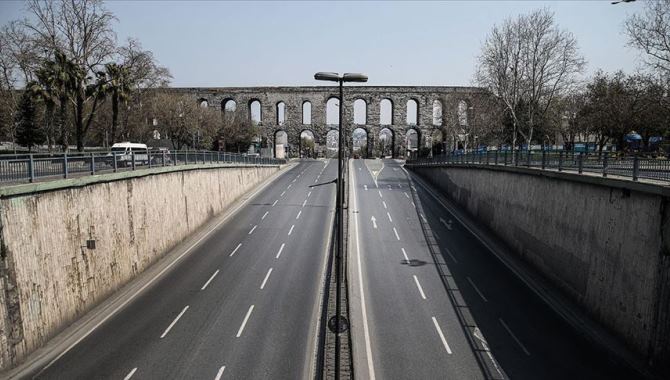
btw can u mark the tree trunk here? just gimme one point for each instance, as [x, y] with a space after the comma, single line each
[115, 114]
[62, 115]
[79, 120]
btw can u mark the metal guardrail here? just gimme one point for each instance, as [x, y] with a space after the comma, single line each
[30, 167]
[605, 163]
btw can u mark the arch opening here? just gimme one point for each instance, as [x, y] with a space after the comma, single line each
[436, 143]
[255, 111]
[386, 112]
[203, 103]
[307, 112]
[463, 113]
[307, 144]
[412, 112]
[359, 143]
[333, 111]
[281, 144]
[360, 112]
[386, 143]
[229, 105]
[332, 143]
[281, 113]
[437, 112]
[411, 143]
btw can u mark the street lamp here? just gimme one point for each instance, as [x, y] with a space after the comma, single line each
[339, 207]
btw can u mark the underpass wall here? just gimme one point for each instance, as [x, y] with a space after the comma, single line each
[604, 242]
[48, 276]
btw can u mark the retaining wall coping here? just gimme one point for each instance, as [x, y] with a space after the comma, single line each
[40, 187]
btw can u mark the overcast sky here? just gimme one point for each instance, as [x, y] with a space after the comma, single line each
[276, 43]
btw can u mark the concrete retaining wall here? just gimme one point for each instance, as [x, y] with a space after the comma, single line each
[48, 277]
[604, 242]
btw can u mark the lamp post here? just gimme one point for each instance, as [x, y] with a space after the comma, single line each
[339, 207]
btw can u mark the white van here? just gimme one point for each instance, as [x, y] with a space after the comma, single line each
[124, 153]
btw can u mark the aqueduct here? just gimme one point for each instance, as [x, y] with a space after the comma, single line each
[428, 110]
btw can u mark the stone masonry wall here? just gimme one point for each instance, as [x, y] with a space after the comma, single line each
[605, 246]
[48, 278]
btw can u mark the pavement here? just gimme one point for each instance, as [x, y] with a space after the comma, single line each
[430, 301]
[244, 304]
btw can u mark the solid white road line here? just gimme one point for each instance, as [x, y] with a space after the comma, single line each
[220, 373]
[405, 254]
[291, 230]
[389, 215]
[304, 203]
[444, 340]
[384, 203]
[244, 323]
[514, 336]
[298, 216]
[280, 249]
[275, 202]
[418, 285]
[210, 280]
[396, 233]
[167, 330]
[264, 215]
[366, 330]
[130, 374]
[252, 230]
[235, 250]
[476, 289]
[266, 278]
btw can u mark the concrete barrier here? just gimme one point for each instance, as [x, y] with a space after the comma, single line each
[65, 246]
[604, 242]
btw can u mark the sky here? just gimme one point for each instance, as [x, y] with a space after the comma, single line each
[275, 43]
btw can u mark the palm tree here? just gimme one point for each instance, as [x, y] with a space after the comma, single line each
[56, 81]
[118, 84]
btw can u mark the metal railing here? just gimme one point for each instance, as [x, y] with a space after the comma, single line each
[16, 168]
[605, 163]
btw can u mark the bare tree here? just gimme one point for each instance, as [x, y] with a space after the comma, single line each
[650, 32]
[82, 29]
[527, 62]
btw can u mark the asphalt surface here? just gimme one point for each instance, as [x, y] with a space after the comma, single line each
[242, 305]
[429, 301]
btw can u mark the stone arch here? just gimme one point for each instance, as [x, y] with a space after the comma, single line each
[359, 148]
[386, 142]
[255, 111]
[412, 143]
[462, 112]
[386, 112]
[438, 112]
[280, 111]
[304, 151]
[228, 105]
[412, 112]
[437, 141]
[280, 137]
[360, 112]
[333, 110]
[307, 112]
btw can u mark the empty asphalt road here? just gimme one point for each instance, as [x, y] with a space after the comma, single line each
[244, 304]
[429, 301]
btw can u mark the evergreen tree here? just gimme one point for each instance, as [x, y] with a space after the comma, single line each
[28, 133]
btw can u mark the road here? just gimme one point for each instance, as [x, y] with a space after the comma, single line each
[244, 304]
[430, 301]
